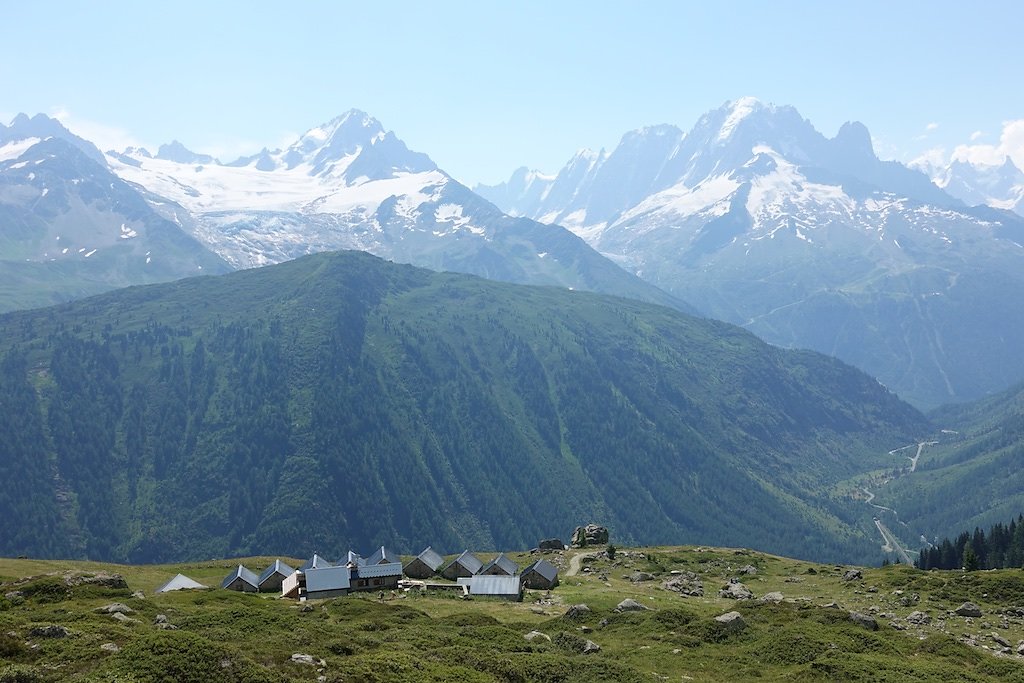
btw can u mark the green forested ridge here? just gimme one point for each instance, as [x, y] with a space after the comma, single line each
[973, 478]
[1002, 547]
[339, 400]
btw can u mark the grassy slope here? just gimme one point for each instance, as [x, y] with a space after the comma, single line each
[225, 636]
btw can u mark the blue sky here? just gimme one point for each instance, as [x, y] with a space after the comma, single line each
[485, 87]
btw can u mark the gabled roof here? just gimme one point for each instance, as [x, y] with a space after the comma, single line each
[544, 568]
[352, 558]
[241, 572]
[278, 567]
[315, 562]
[469, 561]
[381, 556]
[373, 571]
[480, 584]
[179, 582]
[430, 558]
[327, 579]
[502, 562]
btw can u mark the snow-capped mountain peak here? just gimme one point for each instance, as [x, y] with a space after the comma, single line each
[738, 110]
[340, 137]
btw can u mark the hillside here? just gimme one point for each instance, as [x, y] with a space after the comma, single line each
[341, 400]
[799, 625]
[973, 477]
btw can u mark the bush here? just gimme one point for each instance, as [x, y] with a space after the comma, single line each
[19, 674]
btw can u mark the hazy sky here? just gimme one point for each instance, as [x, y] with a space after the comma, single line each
[484, 87]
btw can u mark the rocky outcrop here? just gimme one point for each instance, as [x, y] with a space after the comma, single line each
[853, 575]
[551, 544]
[687, 583]
[591, 534]
[734, 590]
[577, 612]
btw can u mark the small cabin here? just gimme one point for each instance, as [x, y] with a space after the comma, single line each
[424, 565]
[273, 576]
[465, 565]
[540, 575]
[326, 582]
[494, 586]
[500, 566]
[241, 579]
[372, 577]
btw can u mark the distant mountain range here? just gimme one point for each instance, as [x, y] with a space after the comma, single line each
[349, 184]
[752, 216]
[339, 401]
[807, 241]
[997, 185]
[69, 227]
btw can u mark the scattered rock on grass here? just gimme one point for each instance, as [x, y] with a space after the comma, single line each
[51, 631]
[630, 605]
[865, 620]
[773, 597]
[734, 590]
[537, 635]
[918, 618]
[577, 612]
[968, 609]
[115, 608]
[732, 621]
[853, 575]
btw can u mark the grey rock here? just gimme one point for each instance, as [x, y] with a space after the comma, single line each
[897, 625]
[51, 631]
[577, 612]
[139, 595]
[865, 620]
[968, 609]
[773, 597]
[685, 583]
[853, 575]
[115, 608]
[160, 619]
[749, 570]
[732, 621]
[1000, 640]
[306, 660]
[551, 544]
[734, 590]
[591, 534]
[591, 647]
[639, 577]
[110, 647]
[918, 618]
[630, 605]
[537, 635]
[166, 627]
[123, 618]
[14, 596]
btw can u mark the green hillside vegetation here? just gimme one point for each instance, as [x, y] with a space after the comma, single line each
[341, 401]
[1002, 547]
[908, 630]
[973, 478]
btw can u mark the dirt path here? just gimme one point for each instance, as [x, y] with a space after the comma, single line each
[575, 561]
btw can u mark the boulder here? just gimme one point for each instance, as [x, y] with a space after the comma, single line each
[537, 635]
[639, 577]
[591, 647]
[591, 534]
[1000, 640]
[686, 583]
[139, 595]
[773, 597]
[968, 609]
[110, 647]
[577, 612]
[51, 631]
[104, 579]
[734, 590]
[749, 570]
[630, 605]
[166, 627]
[160, 619]
[853, 575]
[865, 620]
[306, 660]
[732, 621]
[115, 607]
[123, 618]
[918, 618]
[551, 544]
